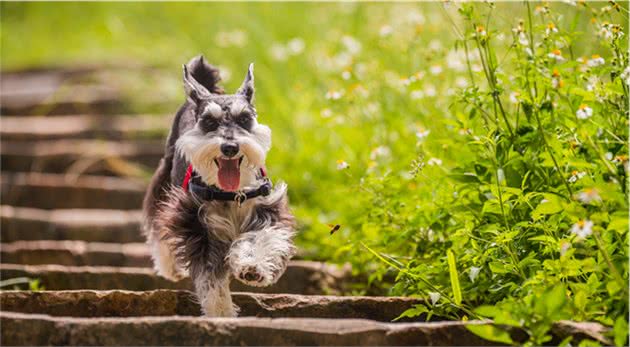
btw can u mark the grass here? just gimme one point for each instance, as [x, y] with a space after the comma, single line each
[476, 153]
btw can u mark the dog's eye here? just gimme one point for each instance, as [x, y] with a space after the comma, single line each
[208, 124]
[244, 121]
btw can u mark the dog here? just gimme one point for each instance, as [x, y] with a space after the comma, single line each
[210, 209]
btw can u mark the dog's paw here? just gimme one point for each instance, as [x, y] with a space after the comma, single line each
[255, 275]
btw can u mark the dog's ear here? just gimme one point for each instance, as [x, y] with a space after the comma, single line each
[247, 88]
[194, 90]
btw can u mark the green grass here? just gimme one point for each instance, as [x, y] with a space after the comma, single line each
[465, 177]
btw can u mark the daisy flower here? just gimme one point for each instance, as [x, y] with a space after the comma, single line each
[576, 175]
[596, 60]
[342, 165]
[557, 55]
[588, 195]
[422, 133]
[551, 28]
[583, 228]
[584, 112]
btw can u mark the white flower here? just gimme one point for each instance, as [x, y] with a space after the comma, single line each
[541, 9]
[461, 82]
[295, 46]
[278, 52]
[456, 60]
[564, 247]
[435, 297]
[429, 90]
[576, 175]
[422, 133]
[474, 272]
[522, 38]
[415, 17]
[417, 94]
[588, 195]
[434, 161]
[481, 31]
[595, 60]
[334, 95]
[435, 45]
[529, 52]
[352, 45]
[326, 113]
[557, 55]
[584, 112]
[551, 28]
[236, 38]
[436, 69]
[625, 76]
[346, 75]
[385, 31]
[583, 228]
[379, 152]
[514, 97]
[342, 165]
[591, 83]
[608, 156]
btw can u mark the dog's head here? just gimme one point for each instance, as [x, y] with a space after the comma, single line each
[227, 146]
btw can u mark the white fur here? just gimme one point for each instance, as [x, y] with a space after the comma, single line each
[201, 149]
[267, 253]
[214, 296]
[164, 260]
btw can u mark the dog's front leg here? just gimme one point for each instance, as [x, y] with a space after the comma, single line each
[259, 257]
[214, 295]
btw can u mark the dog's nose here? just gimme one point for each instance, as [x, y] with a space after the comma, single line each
[229, 149]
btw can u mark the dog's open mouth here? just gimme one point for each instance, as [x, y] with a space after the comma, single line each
[229, 173]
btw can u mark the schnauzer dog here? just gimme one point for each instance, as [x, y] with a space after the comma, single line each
[210, 208]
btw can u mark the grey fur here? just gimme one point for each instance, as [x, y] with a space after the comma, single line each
[213, 240]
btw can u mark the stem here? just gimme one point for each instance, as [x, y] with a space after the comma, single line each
[623, 284]
[553, 158]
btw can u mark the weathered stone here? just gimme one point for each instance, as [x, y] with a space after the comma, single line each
[25, 128]
[49, 92]
[36, 329]
[75, 253]
[26, 329]
[56, 191]
[82, 156]
[22, 223]
[89, 303]
[301, 277]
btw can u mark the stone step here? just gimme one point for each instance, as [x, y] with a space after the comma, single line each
[301, 277]
[119, 303]
[29, 224]
[32, 128]
[76, 253]
[57, 191]
[81, 253]
[37, 329]
[54, 100]
[81, 156]
[51, 91]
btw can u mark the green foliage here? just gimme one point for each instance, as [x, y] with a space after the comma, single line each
[477, 151]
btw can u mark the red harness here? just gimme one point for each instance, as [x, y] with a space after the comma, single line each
[189, 173]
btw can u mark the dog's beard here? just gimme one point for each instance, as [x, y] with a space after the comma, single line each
[203, 151]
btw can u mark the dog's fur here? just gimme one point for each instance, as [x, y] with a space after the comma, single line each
[214, 240]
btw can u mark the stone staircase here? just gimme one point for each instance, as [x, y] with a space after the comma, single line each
[72, 184]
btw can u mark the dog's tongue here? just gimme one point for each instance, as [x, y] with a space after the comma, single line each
[229, 174]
